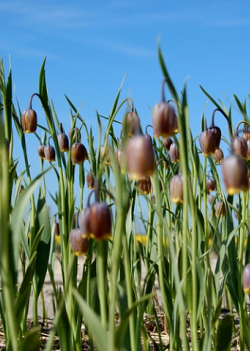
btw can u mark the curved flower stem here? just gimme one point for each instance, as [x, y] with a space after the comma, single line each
[229, 126]
[237, 127]
[31, 98]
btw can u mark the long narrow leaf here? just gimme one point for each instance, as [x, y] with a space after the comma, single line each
[93, 322]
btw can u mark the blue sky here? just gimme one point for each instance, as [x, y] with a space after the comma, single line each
[91, 45]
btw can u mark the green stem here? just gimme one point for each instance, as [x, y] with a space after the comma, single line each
[160, 223]
[129, 276]
[242, 307]
[5, 269]
[102, 278]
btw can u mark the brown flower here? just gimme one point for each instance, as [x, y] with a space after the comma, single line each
[176, 188]
[235, 174]
[139, 157]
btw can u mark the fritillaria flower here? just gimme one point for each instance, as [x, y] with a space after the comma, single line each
[167, 143]
[220, 209]
[95, 220]
[144, 184]
[210, 184]
[63, 141]
[78, 153]
[164, 118]
[218, 156]
[210, 199]
[146, 132]
[41, 150]
[131, 124]
[207, 142]
[29, 118]
[216, 130]
[90, 180]
[79, 242]
[246, 133]
[176, 188]
[239, 144]
[246, 279]
[139, 157]
[49, 152]
[235, 174]
[174, 153]
[105, 153]
[80, 245]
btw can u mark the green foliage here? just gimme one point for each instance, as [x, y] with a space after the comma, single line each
[116, 291]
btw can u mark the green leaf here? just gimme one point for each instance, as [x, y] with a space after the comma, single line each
[210, 98]
[120, 331]
[36, 241]
[24, 292]
[93, 322]
[18, 213]
[31, 340]
[43, 247]
[224, 333]
[166, 75]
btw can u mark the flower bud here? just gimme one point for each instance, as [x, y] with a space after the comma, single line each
[120, 159]
[90, 180]
[131, 123]
[99, 224]
[210, 184]
[167, 143]
[239, 146]
[139, 156]
[29, 118]
[218, 156]
[49, 152]
[41, 151]
[29, 121]
[144, 184]
[83, 221]
[246, 133]
[78, 153]
[210, 199]
[107, 155]
[164, 120]
[176, 188]
[174, 153]
[79, 244]
[220, 209]
[246, 279]
[63, 141]
[235, 174]
[207, 142]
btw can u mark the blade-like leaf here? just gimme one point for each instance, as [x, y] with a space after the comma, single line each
[31, 340]
[120, 331]
[93, 322]
[23, 294]
[18, 213]
[224, 333]
[43, 248]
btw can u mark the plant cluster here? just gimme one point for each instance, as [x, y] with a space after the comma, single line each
[189, 218]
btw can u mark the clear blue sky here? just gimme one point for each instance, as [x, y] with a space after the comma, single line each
[91, 45]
